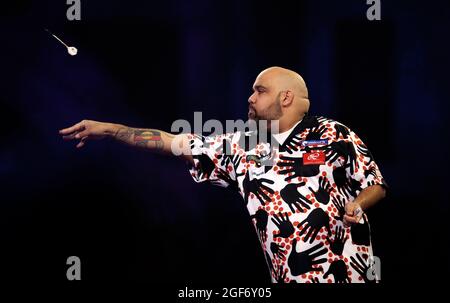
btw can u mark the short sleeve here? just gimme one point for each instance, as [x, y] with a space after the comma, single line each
[364, 169]
[213, 160]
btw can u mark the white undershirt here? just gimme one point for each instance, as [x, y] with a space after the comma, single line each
[281, 137]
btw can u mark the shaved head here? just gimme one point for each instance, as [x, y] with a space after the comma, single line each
[286, 79]
[279, 94]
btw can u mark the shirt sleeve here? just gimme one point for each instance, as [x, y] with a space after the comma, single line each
[364, 169]
[213, 160]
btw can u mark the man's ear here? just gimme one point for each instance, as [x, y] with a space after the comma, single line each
[287, 98]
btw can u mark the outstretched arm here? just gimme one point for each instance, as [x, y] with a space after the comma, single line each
[151, 139]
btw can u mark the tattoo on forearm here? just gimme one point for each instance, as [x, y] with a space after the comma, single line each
[124, 134]
[143, 136]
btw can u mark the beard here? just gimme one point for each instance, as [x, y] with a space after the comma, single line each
[273, 112]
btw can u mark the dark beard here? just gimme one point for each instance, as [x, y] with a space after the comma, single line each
[273, 112]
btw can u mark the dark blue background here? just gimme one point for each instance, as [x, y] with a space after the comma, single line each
[133, 216]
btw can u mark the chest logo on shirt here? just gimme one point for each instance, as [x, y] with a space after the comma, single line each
[314, 158]
[312, 143]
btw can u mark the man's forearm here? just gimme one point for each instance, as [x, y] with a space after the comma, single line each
[369, 196]
[152, 139]
[146, 138]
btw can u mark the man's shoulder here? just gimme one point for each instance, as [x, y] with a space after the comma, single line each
[321, 120]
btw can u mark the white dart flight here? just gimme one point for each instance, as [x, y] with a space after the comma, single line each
[70, 49]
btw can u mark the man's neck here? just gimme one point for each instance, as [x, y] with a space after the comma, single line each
[285, 125]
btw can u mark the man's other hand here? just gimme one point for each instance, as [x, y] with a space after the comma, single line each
[353, 213]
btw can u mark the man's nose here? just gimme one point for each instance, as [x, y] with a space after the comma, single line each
[251, 99]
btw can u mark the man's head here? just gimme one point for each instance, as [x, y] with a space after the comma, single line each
[278, 94]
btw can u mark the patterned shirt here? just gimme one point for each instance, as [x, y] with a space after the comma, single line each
[297, 203]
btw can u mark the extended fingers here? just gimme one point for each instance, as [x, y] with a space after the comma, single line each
[69, 137]
[75, 128]
[81, 143]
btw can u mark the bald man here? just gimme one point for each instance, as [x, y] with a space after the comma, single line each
[308, 208]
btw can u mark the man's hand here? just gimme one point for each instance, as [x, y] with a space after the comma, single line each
[353, 213]
[368, 197]
[88, 130]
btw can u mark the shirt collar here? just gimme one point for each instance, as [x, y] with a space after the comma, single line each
[281, 137]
